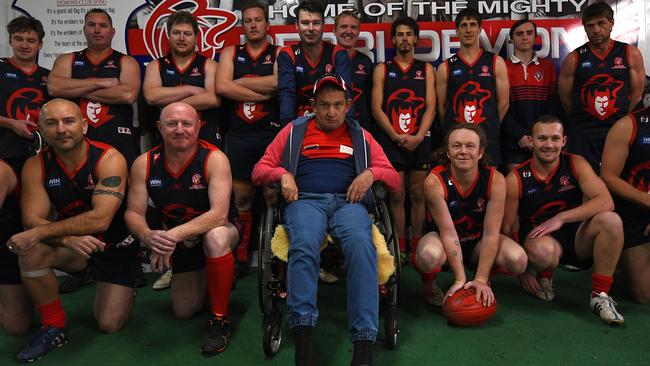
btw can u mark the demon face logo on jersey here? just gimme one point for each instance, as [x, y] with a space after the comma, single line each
[25, 104]
[250, 112]
[599, 95]
[178, 213]
[95, 113]
[468, 103]
[405, 110]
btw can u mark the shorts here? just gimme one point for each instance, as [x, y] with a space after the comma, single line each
[119, 266]
[9, 268]
[403, 160]
[210, 132]
[634, 224]
[514, 155]
[589, 146]
[467, 247]
[493, 151]
[244, 152]
[566, 236]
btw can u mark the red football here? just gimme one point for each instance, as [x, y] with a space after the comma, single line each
[463, 310]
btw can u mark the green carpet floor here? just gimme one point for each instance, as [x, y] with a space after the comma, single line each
[525, 331]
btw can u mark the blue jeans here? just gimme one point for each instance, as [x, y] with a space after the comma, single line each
[307, 221]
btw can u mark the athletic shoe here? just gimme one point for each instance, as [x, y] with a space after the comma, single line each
[433, 295]
[164, 281]
[546, 291]
[74, 281]
[218, 338]
[604, 306]
[46, 339]
[327, 277]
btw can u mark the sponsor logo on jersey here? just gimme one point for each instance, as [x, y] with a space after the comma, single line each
[110, 64]
[586, 65]
[531, 191]
[123, 130]
[240, 59]
[618, 63]
[170, 72]
[267, 60]
[565, 183]
[54, 182]
[79, 63]
[526, 174]
[196, 182]
[644, 119]
[645, 140]
[195, 72]
[392, 75]
[299, 69]
[418, 75]
[11, 75]
[457, 72]
[155, 182]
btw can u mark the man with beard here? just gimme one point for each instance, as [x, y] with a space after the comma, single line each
[404, 105]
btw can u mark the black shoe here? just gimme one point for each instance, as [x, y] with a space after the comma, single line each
[218, 338]
[140, 280]
[74, 281]
[303, 339]
[362, 353]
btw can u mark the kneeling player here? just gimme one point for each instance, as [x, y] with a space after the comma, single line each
[626, 172]
[465, 200]
[189, 181]
[85, 182]
[565, 212]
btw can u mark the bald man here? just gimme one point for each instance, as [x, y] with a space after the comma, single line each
[85, 182]
[189, 181]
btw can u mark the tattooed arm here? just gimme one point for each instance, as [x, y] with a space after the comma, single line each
[107, 198]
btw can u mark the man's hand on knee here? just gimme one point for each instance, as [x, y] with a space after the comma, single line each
[85, 245]
[160, 241]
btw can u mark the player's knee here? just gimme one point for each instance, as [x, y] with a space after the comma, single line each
[185, 311]
[218, 241]
[34, 258]
[609, 222]
[428, 257]
[397, 198]
[540, 253]
[243, 199]
[416, 195]
[110, 325]
[517, 261]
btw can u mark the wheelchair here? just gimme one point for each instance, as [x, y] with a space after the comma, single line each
[272, 273]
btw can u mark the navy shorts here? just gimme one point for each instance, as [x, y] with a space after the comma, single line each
[589, 146]
[634, 225]
[566, 236]
[116, 264]
[244, 152]
[404, 160]
[9, 269]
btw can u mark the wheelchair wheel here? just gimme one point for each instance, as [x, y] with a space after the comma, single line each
[391, 330]
[387, 227]
[272, 337]
[265, 259]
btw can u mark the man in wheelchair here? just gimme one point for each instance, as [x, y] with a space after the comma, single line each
[326, 164]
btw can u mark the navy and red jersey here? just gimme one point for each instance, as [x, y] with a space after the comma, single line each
[467, 209]
[533, 93]
[297, 75]
[180, 196]
[10, 219]
[405, 91]
[71, 192]
[22, 94]
[111, 124]
[193, 74]
[601, 89]
[251, 118]
[637, 166]
[361, 73]
[541, 199]
[324, 155]
[472, 94]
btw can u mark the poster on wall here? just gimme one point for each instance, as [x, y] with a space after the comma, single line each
[140, 30]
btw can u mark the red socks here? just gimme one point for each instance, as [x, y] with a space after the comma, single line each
[219, 273]
[402, 245]
[546, 274]
[600, 283]
[52, 314]
[246, 219]
[430, 276]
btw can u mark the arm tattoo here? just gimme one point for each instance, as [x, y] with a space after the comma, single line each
[115, 194]
[454, 253]
[113, 181]
[456, 242]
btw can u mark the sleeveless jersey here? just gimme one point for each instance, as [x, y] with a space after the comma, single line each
[10, 219]
[601, 89]
[306, 73]
[361, 73]
[71, 192]
[404, 96]
[637, 166]
[472, 94]
[183, 195]
[467, 209]
[250, 118]
[111, 124]
[193, 74]
[540, 199]
[21, 97]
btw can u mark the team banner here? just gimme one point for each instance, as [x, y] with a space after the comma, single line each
[140, 29]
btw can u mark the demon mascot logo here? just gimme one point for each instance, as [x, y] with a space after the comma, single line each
[599, 95]
[468, 103]
[405, 110]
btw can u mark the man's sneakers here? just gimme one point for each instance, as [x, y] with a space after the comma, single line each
[218, 338]
[433, 295]
[604, 306]
[327, 277]
[540, 287]
[164, 281]
[74, 281]
[47, 338]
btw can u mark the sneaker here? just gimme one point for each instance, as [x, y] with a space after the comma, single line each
[46, 339]
[74, 281]
[604, 306]
[433, 295]
[327, 277]
[140, 280]
[218, 338]
[529, 280]
[546, 291]
[164, 281]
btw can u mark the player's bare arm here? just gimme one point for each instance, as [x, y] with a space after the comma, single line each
[412, 142]
[511, 205]
[160, 96]
[126, 92]
[265, 85]
[207, 99]
[378, 113]
[637, 76]
[227, 87]
[565, 81]
[441, 89]
[502, 86]
[61, 84]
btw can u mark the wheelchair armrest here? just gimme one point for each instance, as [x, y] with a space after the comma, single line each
[379, 190]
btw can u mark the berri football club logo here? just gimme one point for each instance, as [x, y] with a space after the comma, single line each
[469, 103]
[404, 110]
[599, 95]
